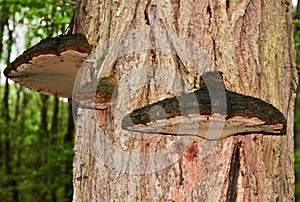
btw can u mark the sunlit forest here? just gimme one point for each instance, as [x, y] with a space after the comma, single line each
[37, 131]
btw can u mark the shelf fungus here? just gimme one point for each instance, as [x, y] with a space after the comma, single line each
[193, 114]
[50, 67]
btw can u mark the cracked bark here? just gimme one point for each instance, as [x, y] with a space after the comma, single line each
[251, 43]
[234, 173]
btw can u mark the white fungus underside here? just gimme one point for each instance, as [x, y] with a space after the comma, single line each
[50, 74]
[209, 127]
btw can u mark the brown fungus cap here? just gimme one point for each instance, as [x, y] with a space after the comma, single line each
[191, 114]
[50, 67]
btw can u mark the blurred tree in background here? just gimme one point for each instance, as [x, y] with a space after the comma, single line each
[36, 131]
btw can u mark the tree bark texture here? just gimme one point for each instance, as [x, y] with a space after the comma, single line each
[250, 41]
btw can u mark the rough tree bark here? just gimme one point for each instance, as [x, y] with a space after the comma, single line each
[250, 41]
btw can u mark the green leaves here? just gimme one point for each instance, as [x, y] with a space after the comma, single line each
[36, 166]
[43, 18]
[37, 162]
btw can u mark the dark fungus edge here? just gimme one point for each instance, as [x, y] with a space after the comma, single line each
[51, 45]
[237, 105]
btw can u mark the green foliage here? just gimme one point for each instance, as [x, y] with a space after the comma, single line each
[296, 23]
[50, 16]
[297, 161]
[42, 18]
[297, 46]
[36, 166]
[297, 170]
[39, 166]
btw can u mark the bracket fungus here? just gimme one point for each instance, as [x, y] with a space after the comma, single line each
[50, 67]
[192, 114]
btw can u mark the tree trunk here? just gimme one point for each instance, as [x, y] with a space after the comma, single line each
[68, 143]
[297, 109]
[55, 121]
[158, 49]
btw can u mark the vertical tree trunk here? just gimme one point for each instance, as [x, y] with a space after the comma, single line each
[69, 142]
[44, 117]
[249, 41]
[53, 141]
[71, 127]
[55, 120]
[8, 134]
[43, 135]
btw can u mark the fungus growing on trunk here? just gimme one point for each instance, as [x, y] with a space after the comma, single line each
[193, 114]
[51, 66]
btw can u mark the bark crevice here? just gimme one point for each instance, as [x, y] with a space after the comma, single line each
[234, 173]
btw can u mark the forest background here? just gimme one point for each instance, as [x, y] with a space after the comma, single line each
[37, 131]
